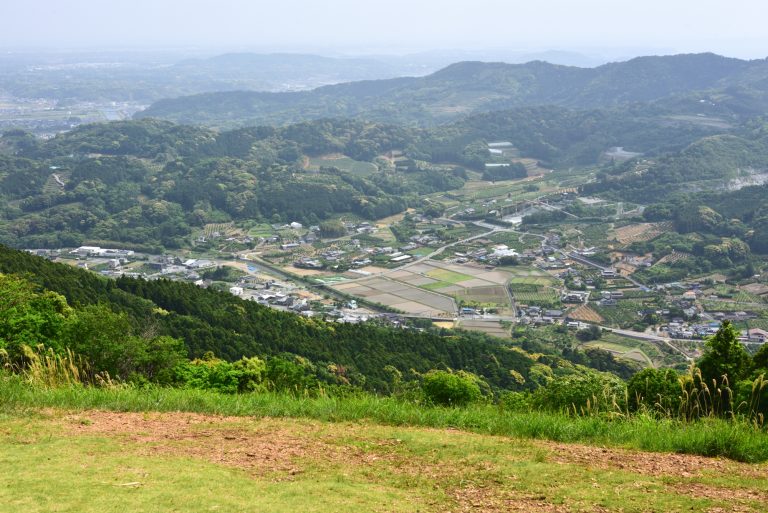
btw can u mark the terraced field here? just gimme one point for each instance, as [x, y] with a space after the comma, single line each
[640, 232]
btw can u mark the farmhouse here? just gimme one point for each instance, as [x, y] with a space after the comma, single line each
[757, 335]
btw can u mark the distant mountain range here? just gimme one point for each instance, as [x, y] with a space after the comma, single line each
[124, 77]
[694, 83]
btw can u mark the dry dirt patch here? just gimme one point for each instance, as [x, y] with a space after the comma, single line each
[260, 448]
[648, 463]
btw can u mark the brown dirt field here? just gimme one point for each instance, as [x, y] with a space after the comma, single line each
[639, 232]
[261, 447]
[586, 314]
[303, 272]
[652, 464]
[756, 288]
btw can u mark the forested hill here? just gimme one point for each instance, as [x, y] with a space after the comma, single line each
[726, 161]
[720, 83]
[151, 182]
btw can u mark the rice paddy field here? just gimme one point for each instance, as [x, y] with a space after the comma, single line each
[489, 327]
[401, 296]
[434, 288]
[466, 283]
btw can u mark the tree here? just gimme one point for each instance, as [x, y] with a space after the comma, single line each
[29, 318]
[724, 356]
[655, 389]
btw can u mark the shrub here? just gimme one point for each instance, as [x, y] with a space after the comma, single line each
[586, 393]
[451, 388]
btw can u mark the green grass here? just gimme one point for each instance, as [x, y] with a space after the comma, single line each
[531, 280]
[44, 470]
[420, 252]
[450, 277]
[736, 440]
[261, 230]
[347, 164]
[622, 351]
[51, 465]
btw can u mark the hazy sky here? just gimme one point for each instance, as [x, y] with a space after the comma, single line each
[731, 27]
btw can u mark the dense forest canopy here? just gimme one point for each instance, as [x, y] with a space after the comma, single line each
[151, 182]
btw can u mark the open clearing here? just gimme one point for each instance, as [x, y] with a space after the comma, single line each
[343, 163]
[620, 351]
[108, 462]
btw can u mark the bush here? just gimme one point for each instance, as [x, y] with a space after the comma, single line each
[586, 393]
[451, 389]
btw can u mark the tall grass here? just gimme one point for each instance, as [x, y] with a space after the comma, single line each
[42, 367]
[735, 439]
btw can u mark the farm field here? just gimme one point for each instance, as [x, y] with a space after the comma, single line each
[481, 190]
[627, 353]
[533, 287]
[586, 314]
[733, 306]
[623, 315]
[400, 296]
[222, 229]
[640, 232]
[261, 230]
[100, 461]
[659, 355]
[489, 327]
[466, 283]
[343, 163]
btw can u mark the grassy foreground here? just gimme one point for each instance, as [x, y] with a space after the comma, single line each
[739, 441]
[103, 462]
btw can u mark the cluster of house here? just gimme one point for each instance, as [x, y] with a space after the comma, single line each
[95, 251]
[754, 335]
[683, 330]
[575, 296]
[535, 316]
[244, 240]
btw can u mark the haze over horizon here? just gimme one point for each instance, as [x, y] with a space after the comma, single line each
[603, 30]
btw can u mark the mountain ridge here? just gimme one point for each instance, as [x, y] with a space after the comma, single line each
[474, 86]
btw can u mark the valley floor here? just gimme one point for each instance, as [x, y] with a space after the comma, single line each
[99, 461]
